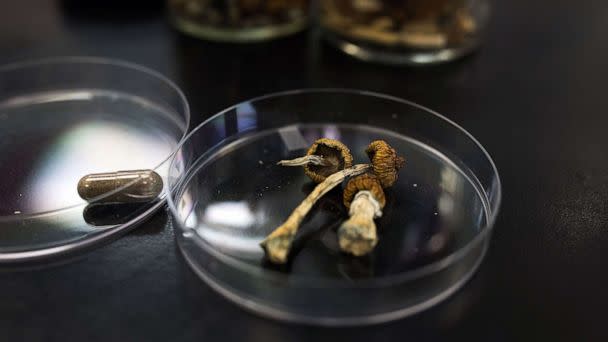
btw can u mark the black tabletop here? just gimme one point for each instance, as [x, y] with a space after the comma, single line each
[534, 95]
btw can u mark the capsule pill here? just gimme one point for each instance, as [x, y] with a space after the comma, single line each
[121, 187]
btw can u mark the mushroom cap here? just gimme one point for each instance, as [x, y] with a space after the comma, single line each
[363, 182]
[385, 162]
[332, 151]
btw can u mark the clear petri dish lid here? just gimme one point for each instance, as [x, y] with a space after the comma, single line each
[64, 118]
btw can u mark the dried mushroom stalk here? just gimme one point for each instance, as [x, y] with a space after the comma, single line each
[278, 244]
[365, 198]
[306, 160]
[358, 236]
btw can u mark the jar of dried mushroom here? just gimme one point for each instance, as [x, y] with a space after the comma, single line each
[404, 31]
[239, 20]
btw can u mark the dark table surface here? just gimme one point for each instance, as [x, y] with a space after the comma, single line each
[534, 95]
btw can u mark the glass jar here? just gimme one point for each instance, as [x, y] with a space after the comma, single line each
[239, 20]
[404, 31]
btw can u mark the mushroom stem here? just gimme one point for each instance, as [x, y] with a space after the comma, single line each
[357, 235]
[306, 160]
[278, 243]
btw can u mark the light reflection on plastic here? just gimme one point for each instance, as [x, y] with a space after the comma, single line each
[191, 220]
[48, 97]
[219, 125]
[186, 211]
[449, 180]
[450, 183]
[80, 151]
[445, 204]
[292, 138]
[246, 117]
[231, 244]
[437, 242]
[178, 167]
[331, 132]
[410, 241]
[229, 214]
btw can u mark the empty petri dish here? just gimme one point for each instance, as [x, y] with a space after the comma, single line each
[64, 118]
[432, 236]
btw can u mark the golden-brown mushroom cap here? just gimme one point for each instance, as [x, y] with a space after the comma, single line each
[364, 182]
[385, 162]
[332, 151]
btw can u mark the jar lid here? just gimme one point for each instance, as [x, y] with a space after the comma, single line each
[64, 118]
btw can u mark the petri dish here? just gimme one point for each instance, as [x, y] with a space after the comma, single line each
[64, 118]
[433, 234]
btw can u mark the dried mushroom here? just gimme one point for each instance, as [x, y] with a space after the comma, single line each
[365, 198]
[325, 157]
[366, 181]
[278, 244]
[330, 160]
[385, 162]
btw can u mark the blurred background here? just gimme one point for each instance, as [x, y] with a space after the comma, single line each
[266, 46]
[524, 77]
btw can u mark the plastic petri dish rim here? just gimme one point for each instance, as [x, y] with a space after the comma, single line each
[433, 234]
[63, 118]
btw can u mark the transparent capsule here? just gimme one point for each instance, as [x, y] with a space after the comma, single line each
[121, 187]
